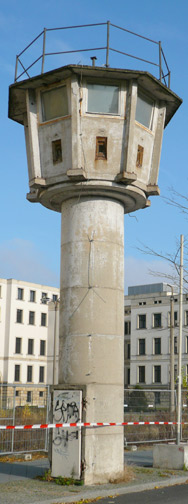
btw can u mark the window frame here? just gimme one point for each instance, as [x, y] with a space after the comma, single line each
[104, 84]
[155, 343]
[31, 317]
[140, 370]
[142, 96]
[42, 91]
[17, 372]
[43, 316]
[29, 373]
[41, 372]
[19, 316]
[32, 346]
[18, 342]
[42, 347]
[156, 368]
[140, 317]
[157, 326]
[142, 343]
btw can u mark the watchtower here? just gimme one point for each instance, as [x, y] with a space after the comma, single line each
[93, 139]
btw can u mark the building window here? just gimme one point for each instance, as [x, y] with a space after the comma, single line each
[54, 103]
[44, 298]
[17, 372]
[20, 294]
[175, 318]
[141, 374]
[19, 316]
[18, 345]
[141, 347]
[175, 345]
[17, 393]
[42, 347]
[186, 344]
[128, 351]
[186, 317]
[103, 99]
[30, 346]
[41, 393]
[157, 398]
[29, 396]
[175, 372]
[157, 346]
[157, 374]
[41, 374]
[127, 328]
[157, 320]
[29, 373]
[142, 321]
[54, 298]
[43, 319]
[144, 111]
[32, 296]
[31, 318]
[128, 376]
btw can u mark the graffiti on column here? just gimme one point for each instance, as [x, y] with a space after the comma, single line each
[65, 410]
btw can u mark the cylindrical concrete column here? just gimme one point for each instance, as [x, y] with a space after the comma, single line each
[92, 324]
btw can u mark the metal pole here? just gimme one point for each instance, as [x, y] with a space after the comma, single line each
[107, 48]
[16, 69]
[169, 77]
[160, 64]
[55, 339]
[43, 51]
[180, 342]
[172, 404]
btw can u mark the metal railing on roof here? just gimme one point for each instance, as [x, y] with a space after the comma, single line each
[164, 75]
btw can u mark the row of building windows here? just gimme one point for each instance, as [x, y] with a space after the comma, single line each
[30, 348]
[156, 374]
[32, 296]
[156, 321]
[31, 320]
[17, 373]
[157, 346]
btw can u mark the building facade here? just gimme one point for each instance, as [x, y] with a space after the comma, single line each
[26, 351]
[147, 317]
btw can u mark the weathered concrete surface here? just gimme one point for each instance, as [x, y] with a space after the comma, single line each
[170, 456]
[92, 325]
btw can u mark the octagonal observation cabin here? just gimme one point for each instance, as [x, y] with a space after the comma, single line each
[98, 128]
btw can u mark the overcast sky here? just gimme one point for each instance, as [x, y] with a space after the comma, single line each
[30, 234]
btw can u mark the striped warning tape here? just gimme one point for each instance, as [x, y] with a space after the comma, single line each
[85, 424]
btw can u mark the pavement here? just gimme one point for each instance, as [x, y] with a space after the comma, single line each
[18, 483]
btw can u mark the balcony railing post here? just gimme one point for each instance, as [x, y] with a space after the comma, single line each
[107, 47]
[16, 69]
[160, 63]
[43, 51]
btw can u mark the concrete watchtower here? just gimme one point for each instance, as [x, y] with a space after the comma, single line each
[93, 140]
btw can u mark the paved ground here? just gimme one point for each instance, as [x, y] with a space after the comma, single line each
[18, 487]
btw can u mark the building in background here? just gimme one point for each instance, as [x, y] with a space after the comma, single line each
[147, 335]
[26, 350]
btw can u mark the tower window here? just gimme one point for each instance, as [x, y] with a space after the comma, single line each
[140, 153]
[103, 99]
[144, 109]
[54, 103]
[101, 148]
[57, 151]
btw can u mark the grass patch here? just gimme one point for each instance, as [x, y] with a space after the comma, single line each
[59, 480]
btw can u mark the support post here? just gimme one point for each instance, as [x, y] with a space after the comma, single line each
[107, 47]
[43, 51]
[180, 343]
[160, 63]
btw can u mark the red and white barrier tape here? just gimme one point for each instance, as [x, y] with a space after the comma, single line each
[84, 424]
